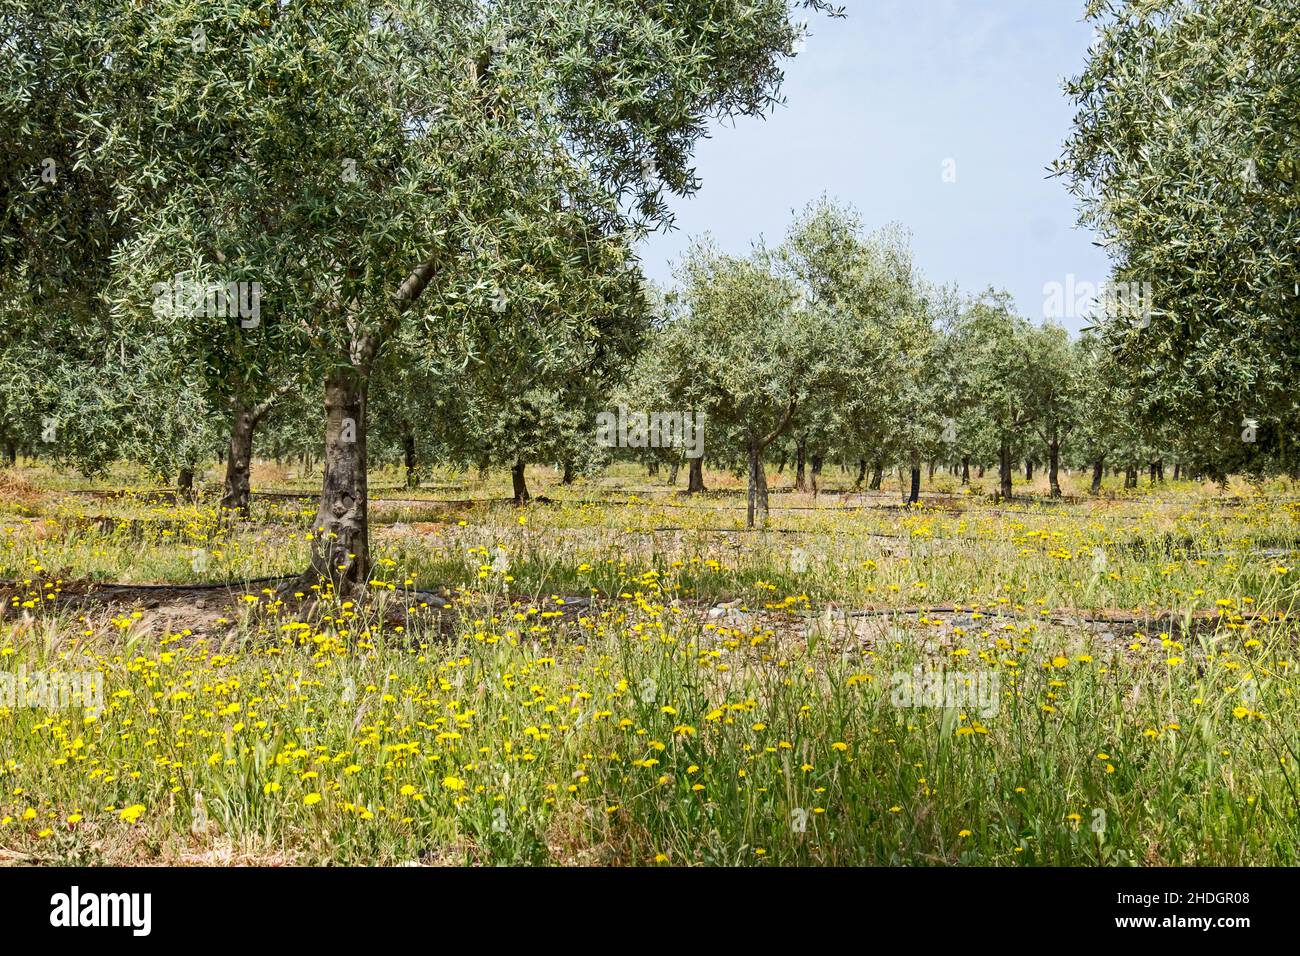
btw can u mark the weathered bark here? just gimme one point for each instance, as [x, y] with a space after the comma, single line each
[569, 474]
[652, 469]
[235, 492]
[341, 532]
[756, 514]
[408, 454]
[862, 473]
[1029, 469]
[1178, 470]
[1131, 476]
[185, 482]
[1098, 470]
[816, 472]
[235, 489]
[930, 474]
[915, 493]
[340, 546]
[1004, 469]
[672, 471]
[980, 473]
[519, 482]
[1053, 467]
[11, 453]
[695, 480]
[800, 475]
[965, 470]
[1160, 470]
[877, 475]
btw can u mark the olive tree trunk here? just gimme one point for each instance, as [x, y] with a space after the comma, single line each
[1053, 467]
[695, 482]
[518, 482]
[1004, 469]
[236, 491]
[756, 514]
[340, 545]
[409, 459]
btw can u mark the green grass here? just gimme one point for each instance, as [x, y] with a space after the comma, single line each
[583, 704]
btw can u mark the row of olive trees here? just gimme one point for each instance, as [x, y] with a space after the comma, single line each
[413, 186]
[438, 203]
[830, 346]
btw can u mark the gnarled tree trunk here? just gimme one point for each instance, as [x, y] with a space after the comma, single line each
[519, 483]
[695, 482]
[1004, 469]
[408, 455]
[1053, 467]
[236, 492]
[340, 546]
[756, 514]
[1098, 469]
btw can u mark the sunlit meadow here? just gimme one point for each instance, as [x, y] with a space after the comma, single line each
[624, 675]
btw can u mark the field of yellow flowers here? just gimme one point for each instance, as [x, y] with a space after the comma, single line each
[623, 675]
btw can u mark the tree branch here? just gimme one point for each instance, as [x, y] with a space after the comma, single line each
[776, 432]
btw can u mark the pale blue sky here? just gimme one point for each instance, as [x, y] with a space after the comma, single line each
[875, 104]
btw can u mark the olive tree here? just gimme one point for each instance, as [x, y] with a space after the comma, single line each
[1185, 157]
[370, 166]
